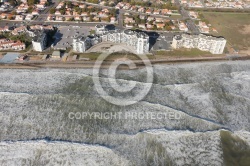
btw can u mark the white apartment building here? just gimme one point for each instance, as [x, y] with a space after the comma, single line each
[82, 43]
[100, 29]
[138, 40]
[215, 45]
[39, 41]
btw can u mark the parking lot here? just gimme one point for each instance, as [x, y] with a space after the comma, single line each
[161, 41]
[65, 34]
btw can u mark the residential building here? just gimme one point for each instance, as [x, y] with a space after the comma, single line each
[6, 44]
[29, 17]
[193, 14]
[19, 17]
[212, 44]
[83, 43]
[39, 41]
[203, 27]
[138, 40]
[100, 29]
[183, 26]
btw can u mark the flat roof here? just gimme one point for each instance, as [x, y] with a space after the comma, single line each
[65, 35]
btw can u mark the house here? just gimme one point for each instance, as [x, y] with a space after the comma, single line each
[35, 13]
[60, 5]
[58, 13]
[183, 1]
[4, 29]
[203, 27]
[68, 18]
[127, 6]
[112, 20]
[75, 3]
[150, 18]
[127, 14]
[48, 28]
[19, 30]
[6, 44]
[68, 13]
[75, 13]
[160, 25]
[19, 17]
[129, 20]
[102, 14]
[156, 11]
[82, 6]
[93, 13]
[59, 18]
[105, 10]
[22, 8]
[18, 45]
[149, 11]
[133, 8]
[182, 26]
[129, 25]
[50, 18]
[4, 15]
[158, 19]
[193, 14]
[238, 5]
[86, 18]
[172, 27]
[78, 18]
[150, 26]
[96, 19]
[141, 9]
[90, 7]
[29, 17]
[40, 6]
[142, 17]
[102, 3]
[143, 26]
[36, 27]
[166, 12]
[84, 14]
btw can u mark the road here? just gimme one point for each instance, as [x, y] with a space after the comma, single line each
[90, 64]
[190, 23]
[19, 23]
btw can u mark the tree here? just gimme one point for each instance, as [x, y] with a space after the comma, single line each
[32, 2]
[30, 9]
[52, 10]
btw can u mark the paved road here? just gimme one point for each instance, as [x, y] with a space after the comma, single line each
[120, 19]
[193, 27]
[19, 23]
[190, 23]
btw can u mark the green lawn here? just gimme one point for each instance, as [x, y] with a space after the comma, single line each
[187, 53]
[235, 27]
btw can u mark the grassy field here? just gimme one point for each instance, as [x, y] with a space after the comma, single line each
[235, 27]
[182, 53]
[113, 56]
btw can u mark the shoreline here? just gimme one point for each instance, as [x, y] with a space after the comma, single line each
[106, 64]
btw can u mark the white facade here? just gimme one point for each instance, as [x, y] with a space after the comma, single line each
[81, 43]
[138, 40]
[100, 29]
[215, 45]
[39, 42]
